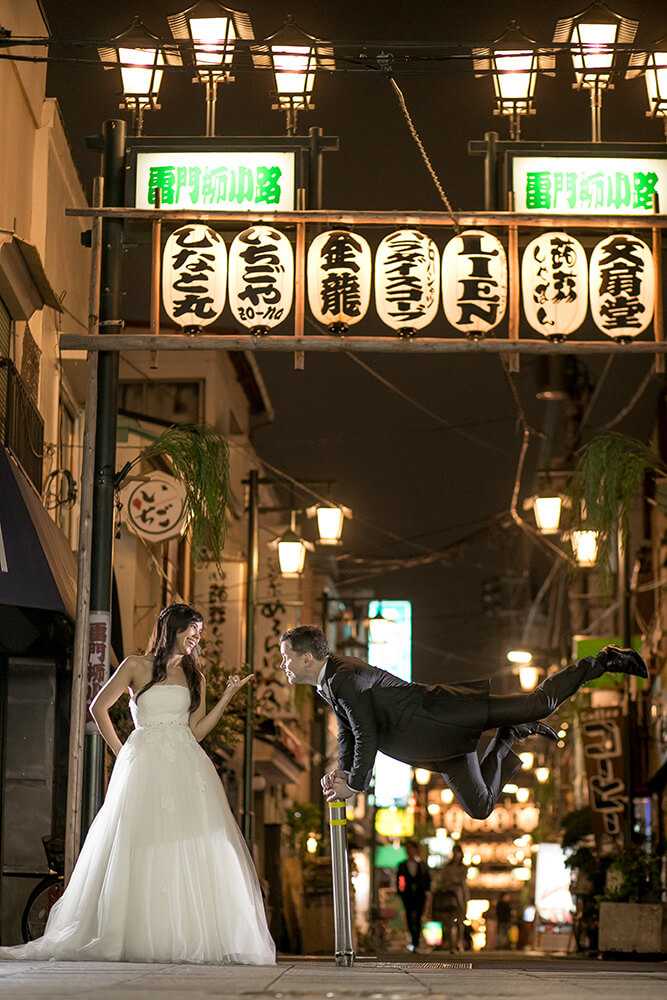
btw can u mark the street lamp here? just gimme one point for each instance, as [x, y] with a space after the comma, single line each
[212, 31]
[514, 63]
[294, 56]
[141, 56]
[330, 520]
[521, 656]
[593, 36]
[379, 627]
[653, 66]
[585, 547]
[291, 550]
[547, 513]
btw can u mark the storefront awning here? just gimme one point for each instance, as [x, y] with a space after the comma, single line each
[37, 567]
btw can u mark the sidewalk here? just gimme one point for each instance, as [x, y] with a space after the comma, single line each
[503, 975]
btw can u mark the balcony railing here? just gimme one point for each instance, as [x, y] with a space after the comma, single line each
[21, 423]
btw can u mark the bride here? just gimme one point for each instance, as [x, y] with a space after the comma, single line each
[164, 874]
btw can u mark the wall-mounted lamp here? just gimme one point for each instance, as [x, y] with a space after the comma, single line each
[291, 550]
[585, 547]
[330, 521]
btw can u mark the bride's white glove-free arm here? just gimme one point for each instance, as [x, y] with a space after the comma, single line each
[202, 723]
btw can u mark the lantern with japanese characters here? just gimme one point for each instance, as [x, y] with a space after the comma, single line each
[407, 281]
[554, 283]
[261, 278]
[339, 279]
[194, 276]
[474, 282]
[622, 286]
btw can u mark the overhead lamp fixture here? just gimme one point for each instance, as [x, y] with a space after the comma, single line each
[330, 520]
[593, 37]
[585, 547]
[513, 62]
[422, 775]
[379, 627]
[528, 676]
[519, 656]
[547, 513]
[141, 57]
[291, 550]
[295, 57]
[652, 65]
[213, 31]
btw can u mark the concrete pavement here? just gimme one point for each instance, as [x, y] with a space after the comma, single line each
[514, 976]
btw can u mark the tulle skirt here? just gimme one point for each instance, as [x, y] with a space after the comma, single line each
[164, 874]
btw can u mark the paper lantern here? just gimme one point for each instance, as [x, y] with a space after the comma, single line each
[194, 276]
[339, 279]
[554, 283]
[474, 282]
[622, 286]
[407, 281]
[261, 278]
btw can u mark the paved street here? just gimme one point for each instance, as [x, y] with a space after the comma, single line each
[519, 977]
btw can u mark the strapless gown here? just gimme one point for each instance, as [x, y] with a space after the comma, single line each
[164, 874]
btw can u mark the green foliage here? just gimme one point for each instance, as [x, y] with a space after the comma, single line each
[634, 877]
[303, 819]
[609, 469]
[200, 460]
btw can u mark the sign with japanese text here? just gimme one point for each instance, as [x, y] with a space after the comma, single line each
[554, 283]
[622, 286]
[219, 594]
[261, 278]
[407, 281]
[474, 282]
[154, 507]
[194, 276]
[588, 185]
[339, 279]
[274, 697]
[217, 181]
[99, 658]
[602, 737]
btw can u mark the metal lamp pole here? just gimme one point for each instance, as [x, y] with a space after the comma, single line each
[250, 605]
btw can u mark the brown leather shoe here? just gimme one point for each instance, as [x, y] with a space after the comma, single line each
[622, 661]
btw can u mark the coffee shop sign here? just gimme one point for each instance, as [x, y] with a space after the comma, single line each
[559, 284]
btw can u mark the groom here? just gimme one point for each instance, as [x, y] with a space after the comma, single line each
[435, 727]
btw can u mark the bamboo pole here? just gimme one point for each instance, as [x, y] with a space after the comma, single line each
[300, 292]
[80, 652]
[330, 344]
[514, 285]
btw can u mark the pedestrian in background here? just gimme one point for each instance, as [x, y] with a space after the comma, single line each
[413, 881]
[450, 900]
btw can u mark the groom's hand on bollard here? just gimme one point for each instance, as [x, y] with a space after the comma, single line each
[335, 786]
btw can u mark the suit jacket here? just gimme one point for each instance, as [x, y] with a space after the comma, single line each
[415, 723]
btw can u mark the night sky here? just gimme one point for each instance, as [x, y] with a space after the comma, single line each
[421, 448]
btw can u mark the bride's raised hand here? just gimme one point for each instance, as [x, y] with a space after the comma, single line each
[235, 683]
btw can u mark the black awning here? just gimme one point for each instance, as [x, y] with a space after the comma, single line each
[37, 567]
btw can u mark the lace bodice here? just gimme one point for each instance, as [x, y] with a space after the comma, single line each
[161, 705]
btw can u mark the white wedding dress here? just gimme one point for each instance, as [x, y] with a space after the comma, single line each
[164, 874]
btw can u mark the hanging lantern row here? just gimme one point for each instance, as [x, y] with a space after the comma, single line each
[558, 283]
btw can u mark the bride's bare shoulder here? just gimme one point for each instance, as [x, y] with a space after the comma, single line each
[139, 669]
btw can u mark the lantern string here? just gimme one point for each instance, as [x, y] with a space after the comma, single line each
[425, 157]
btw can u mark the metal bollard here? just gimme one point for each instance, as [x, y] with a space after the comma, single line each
[340, 874]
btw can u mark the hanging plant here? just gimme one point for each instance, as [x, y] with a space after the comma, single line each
[199, 458]
[608, 472]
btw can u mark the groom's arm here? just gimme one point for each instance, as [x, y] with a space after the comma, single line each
[357, 740]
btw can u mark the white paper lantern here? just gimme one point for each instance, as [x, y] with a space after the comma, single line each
[339, 278]
[194, 276]
[474, 282]
[554, 283]
[261, 278]
[407, 281]
[622, 286]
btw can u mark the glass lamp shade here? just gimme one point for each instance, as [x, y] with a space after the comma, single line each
[528, 677]
[585, 547]
[653, 66]
[514, 76]
[422, 775]
[294, 56]
[593, 36]
[519, 656]
[213, 30]
[380, 628]
[141, 56]
[291, 554]
[330, 521]
[547, 514]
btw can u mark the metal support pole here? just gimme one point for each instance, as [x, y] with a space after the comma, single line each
[211, 101]
[491, 172]
[340, 875]
[596, 104]
[113, 173]
[250, 603]
[625, 632]
[315, 169]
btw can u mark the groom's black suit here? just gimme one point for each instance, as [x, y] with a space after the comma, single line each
[437, 727]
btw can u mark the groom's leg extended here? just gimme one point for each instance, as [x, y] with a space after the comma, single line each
[477, 784]
[508, 709]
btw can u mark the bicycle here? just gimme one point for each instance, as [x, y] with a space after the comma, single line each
[47, 891]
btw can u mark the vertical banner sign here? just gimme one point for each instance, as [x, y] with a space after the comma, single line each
[194, 276]
[407, 281]
[622, 286]
[219, 593]
[99, 655]
[474, 282]
[554, 282]
[261, 278]
[339, 279]
[602, 735]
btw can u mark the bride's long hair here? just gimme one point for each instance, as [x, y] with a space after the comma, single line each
[171, 620]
